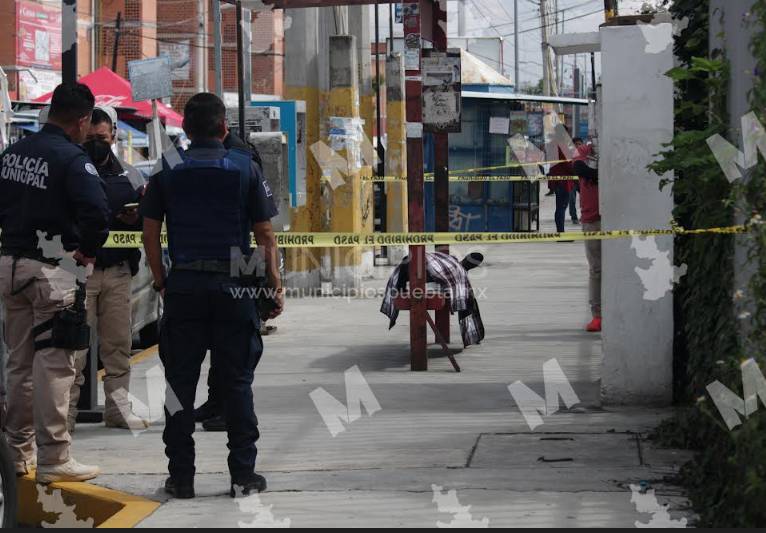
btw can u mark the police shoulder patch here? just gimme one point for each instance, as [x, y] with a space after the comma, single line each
[91, 169]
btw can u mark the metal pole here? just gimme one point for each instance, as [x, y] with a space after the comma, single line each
[441, 165]
[593, 75]
[516, 44]
[461, 22]
[379, 143]
[241, 71]
[546, 54]
[391, 28]
[201, 51]
[69, 41]
[217, 48]
[117, 26]
[416, 219]
[247, 45]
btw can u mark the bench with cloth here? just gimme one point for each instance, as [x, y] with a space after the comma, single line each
[451, 275]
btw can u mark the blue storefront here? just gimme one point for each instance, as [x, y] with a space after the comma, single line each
[490, 206]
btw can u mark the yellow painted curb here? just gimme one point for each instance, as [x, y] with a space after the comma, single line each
[138, 358]
[107, 508]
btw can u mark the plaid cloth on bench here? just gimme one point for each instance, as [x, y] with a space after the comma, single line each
[447, 271]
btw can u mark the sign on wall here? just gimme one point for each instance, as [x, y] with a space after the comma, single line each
[38, 30]
[36, 82]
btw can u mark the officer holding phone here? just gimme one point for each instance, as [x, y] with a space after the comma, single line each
[109, 288]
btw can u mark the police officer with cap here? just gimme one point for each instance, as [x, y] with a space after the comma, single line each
[109, 288]
[47, 184]
[211, 201]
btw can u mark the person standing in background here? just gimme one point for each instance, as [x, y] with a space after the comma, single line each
[591, 221]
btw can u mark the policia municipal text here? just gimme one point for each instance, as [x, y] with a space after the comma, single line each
[48, 184]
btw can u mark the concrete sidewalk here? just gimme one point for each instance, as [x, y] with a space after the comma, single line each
[435, 432]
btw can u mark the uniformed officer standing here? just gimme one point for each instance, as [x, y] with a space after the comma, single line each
[211, 201]
[109, 288]
[209, 413]
[47, 183]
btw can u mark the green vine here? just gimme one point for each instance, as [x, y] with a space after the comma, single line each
[727, 478]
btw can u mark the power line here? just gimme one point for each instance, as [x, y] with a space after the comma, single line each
[536, 17]
[565, 20]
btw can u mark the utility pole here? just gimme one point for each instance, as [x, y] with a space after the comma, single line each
[117, 31]
[218, 59]
[544, 44]
[516, 44]
[69, 41]
[560, 59]
[461, 21]
[241, 71]
[201, 69]
[381, 170]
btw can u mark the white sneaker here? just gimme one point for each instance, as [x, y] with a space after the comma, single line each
[131, 422]
[69, 471]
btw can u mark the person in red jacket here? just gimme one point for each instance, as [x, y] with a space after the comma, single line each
[591, 221]
[562, 189]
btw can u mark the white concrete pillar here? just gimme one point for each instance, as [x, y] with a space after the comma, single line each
[637, 115]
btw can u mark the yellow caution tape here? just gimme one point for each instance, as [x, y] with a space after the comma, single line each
[427, 178]
[127, 239]
[509, 165]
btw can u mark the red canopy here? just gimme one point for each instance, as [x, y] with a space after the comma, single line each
[113, 90]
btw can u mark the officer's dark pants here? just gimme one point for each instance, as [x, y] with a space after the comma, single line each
[201, 313]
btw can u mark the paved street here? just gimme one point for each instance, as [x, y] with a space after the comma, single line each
[435, 432]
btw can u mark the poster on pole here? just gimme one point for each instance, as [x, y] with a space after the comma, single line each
[150, 78]
[442, 91]
[412, 37]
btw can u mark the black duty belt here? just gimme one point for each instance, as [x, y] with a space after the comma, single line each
[212, 266]
[35, 255]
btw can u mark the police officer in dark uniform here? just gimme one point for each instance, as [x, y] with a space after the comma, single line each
[211, 202]
[109, 288]
[209, 413]
[47, 184]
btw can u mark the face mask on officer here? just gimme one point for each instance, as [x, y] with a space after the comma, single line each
[98, 151]
[99, 143]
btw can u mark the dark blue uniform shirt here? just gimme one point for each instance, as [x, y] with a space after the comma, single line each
[48, 183]
[120, 181]
[261, 206]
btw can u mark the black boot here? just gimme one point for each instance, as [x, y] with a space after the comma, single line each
[254, 483]
[217, 423]
[179, 490]
[205, 411]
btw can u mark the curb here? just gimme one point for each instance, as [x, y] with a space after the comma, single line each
[107, 508]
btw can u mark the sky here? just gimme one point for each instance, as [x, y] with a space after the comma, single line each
[494, 18]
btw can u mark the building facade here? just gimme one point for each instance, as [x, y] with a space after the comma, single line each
[112, 33]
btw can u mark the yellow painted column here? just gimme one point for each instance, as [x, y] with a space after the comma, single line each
[350, 203]
[396, 154]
